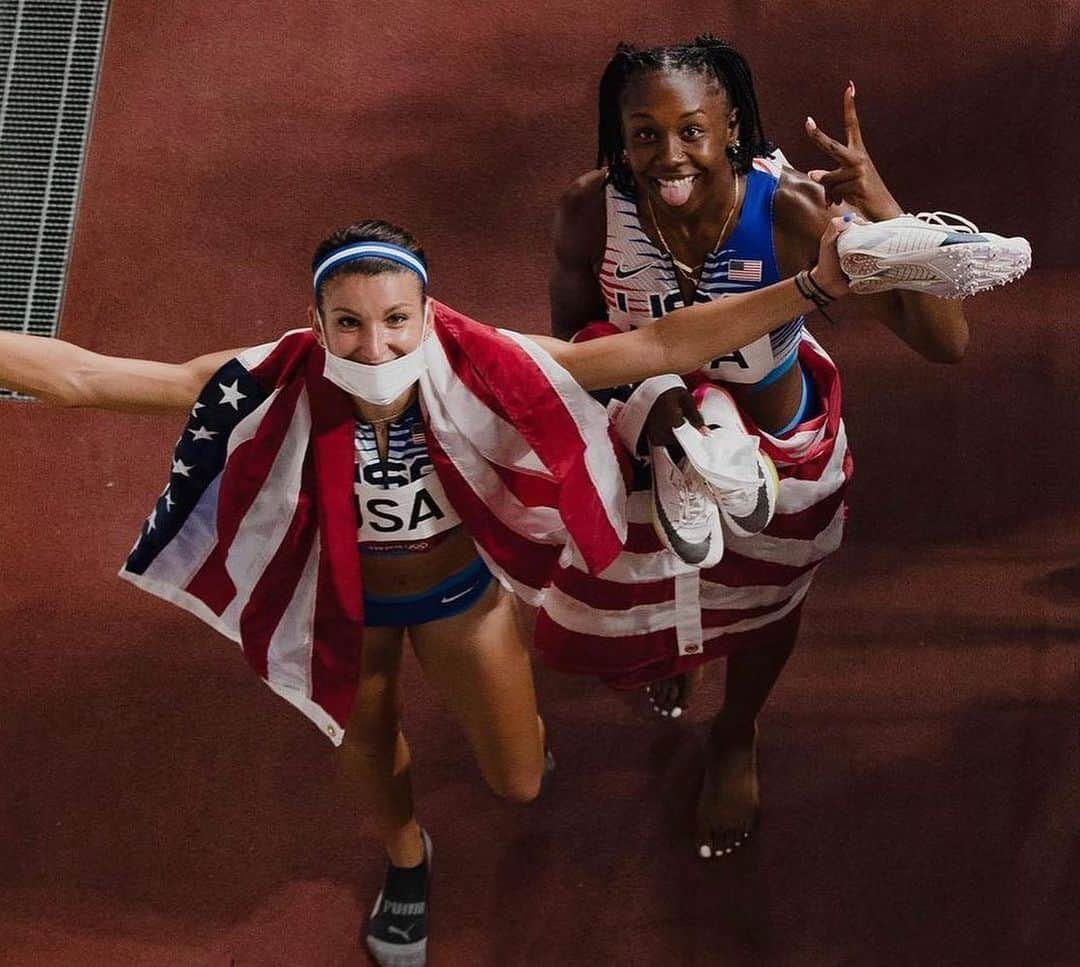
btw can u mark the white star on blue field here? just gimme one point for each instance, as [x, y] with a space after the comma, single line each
[198, 458]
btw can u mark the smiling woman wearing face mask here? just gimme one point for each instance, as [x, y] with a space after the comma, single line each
[374, 322]
[447, 451]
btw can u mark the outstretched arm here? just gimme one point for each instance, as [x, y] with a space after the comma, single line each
[64, 374]
[935, 328]
[686, 339]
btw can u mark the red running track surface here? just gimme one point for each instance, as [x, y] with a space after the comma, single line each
[920, 755]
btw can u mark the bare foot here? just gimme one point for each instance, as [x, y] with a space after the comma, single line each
[730, 803]
[670, 697]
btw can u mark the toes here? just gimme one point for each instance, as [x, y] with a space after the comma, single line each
[728, 841]
[722, 843]
[664, 699]
[734, 839]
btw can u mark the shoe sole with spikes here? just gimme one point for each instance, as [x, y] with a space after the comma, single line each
[907, 253]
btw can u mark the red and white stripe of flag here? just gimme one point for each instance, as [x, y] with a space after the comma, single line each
[648, 616]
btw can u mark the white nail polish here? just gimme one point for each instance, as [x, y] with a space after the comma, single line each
[704, 852]
[676, 712]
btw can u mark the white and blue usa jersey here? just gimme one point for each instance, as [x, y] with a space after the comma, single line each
[400, 502]
[640, 285]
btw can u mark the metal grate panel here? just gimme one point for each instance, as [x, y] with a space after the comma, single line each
[50, 53]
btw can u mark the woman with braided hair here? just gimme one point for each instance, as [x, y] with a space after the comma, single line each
[689, 204]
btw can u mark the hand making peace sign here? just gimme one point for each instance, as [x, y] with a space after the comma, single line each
[856, 180]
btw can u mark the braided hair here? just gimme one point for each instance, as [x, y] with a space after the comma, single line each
[707, 55]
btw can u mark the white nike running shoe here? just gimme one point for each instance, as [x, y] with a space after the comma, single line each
[685, 516]
[934, 252]
[745, 489]
[749, 512]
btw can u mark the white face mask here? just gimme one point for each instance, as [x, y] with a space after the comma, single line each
[381, 383]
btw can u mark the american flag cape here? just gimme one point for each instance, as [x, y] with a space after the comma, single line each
[649, 615]
[256, 532]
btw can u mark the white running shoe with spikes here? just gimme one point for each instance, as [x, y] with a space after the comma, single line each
[741, 477]
[938, 253]
[755, 511]
[685, 516]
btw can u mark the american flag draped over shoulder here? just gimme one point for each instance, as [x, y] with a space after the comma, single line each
[256, 531]
[649, 615]
[526, 456]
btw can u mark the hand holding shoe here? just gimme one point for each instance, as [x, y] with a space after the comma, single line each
[827, 275]
[671, 409]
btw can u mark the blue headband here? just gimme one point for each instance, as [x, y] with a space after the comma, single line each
[356, 251]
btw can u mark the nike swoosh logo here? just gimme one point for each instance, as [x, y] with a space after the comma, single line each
[460, 594]
[621, 273]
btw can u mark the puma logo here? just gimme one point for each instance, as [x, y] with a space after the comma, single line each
[398, 909]
[404, 934]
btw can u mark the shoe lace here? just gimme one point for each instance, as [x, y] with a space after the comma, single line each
[955, 223]
[692, 496]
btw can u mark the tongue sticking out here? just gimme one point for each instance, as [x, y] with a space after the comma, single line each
[676, 193]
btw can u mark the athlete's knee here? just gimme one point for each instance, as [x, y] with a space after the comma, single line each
[521, 786]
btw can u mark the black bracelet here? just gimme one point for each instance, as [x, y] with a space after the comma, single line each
[800, 284]
[810, 291]
[818, 287]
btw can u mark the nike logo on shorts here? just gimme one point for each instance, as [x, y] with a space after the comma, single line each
[621, 273]
[447, 599]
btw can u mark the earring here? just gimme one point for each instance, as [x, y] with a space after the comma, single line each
[733, 148]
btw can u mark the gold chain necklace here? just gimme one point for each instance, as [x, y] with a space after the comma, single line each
[687, 270]
[385, 419]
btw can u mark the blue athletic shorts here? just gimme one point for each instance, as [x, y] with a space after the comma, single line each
[809, 405]
[455, 594]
